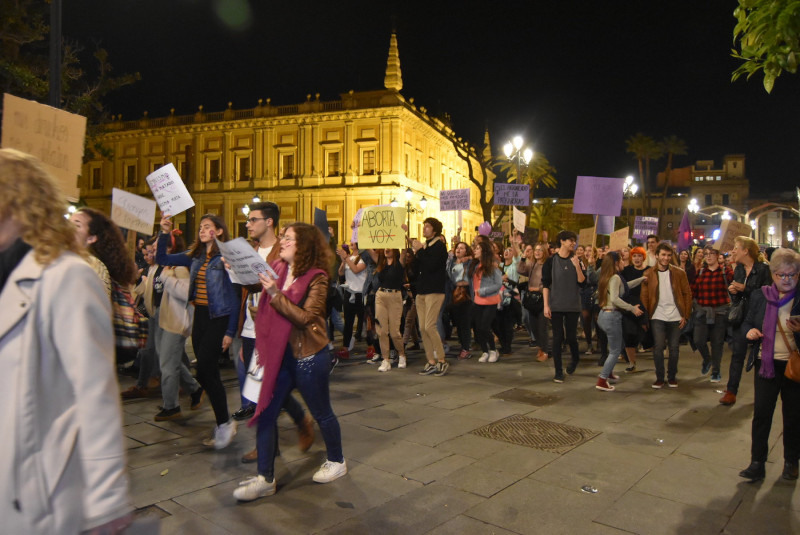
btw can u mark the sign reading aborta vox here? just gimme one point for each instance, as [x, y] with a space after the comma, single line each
[380, 228]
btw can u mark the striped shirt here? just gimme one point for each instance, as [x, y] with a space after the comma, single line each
[201, 292]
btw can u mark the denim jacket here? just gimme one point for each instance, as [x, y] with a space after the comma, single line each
[223, 296]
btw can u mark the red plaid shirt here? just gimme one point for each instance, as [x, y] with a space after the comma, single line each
[709, 287]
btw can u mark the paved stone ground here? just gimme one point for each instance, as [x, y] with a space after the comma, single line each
[663, 461]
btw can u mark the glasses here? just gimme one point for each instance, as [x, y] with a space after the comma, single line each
[254, 219]
[785, 276]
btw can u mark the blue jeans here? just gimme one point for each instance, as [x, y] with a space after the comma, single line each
[169, 348]
[310, 376]
[611, 323]
[665, 334]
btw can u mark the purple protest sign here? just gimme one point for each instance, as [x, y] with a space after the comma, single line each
[454, 199]
[511, 194]
[643, 226]
[605, 224]
[598, 196]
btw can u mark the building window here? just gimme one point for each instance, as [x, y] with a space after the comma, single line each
[708, 200]
[244, 168]
[97, 180]
[368, 162]
[669, 211]
[213, 170]
[405, 156]
[726, 200]
[183, 169]
[719, 177]
[332, 164]
[130, 176]
[287, 166]
[417, 176]
[157, 166]
[638, 211]
[678, 211]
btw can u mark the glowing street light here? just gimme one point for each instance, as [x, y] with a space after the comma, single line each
[771, 232]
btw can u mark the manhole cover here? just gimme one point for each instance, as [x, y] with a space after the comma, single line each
[535, 433]
[520, 395]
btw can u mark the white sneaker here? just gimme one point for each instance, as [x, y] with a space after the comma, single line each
[330, 346]
[385, 366]
[329, 471]
[402, 362]
[492, 356]
[352, 343]
[223, 435]
[484, 357]
[254, 488]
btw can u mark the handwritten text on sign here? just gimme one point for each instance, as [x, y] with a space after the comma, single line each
[54, 136]
[511, 194]
[728, 231]
[132, 211]
[169, 190]
[454, 199]
[380, 228]
[643, 226]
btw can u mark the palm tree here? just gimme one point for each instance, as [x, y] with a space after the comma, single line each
[672, 146]
[644, 148]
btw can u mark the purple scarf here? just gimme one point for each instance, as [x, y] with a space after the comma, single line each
[770, 327]
[273, 330]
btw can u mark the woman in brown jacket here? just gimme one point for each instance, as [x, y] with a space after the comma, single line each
[292, 349]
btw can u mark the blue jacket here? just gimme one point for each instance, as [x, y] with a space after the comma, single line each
[224, 297]
[490, 284]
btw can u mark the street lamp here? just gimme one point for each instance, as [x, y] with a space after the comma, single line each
[423, 202]
[789, 236]
[514, 151]
[771, 232]
[256, 198]
[629, 189]
[726, 215]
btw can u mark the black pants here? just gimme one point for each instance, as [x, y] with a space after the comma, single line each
[351, 312]
[766, 393]
[738, 355]
[207, 335]
[461, 315]
[482, 318]
[564, 321]
[504, 328]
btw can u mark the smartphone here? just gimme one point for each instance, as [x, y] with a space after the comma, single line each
[346, 248]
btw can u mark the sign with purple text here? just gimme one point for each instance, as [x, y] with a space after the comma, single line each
[453, 199]
[643, 226]
[511, 194]
[169, 190]
[598, 196]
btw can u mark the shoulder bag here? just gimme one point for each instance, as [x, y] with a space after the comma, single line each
[792, 371]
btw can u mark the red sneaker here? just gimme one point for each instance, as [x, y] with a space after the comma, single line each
[343, 354]
[370, 352]
[602, 384]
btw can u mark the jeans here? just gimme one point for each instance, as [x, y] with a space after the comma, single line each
[665, 334]
[718, 330]
[766, 395]
[207, 335]
[335, 323]
[310, 376]
[429, 307]
[738, 355]
[611, 323]
[537, 328]
[562, 321]
[169, 348]
[482, 318]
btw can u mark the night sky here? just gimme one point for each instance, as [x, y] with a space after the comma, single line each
[576, 79]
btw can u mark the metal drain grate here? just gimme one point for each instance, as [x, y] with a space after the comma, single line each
[535, 433]
[521, 395]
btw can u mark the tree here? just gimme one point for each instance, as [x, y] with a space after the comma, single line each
[644, 148]
[672, 146]
[538, 172]
[24, 68]
[767, 34]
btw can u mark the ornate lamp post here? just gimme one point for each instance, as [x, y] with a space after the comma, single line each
[514, 151]
[423, 202]
[771, 232]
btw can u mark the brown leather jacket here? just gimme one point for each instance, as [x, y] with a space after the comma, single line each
[309, 330]
[680, 291]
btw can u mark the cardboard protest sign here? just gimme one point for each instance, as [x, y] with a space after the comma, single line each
[511, 194]
[598, 196]
[454, 199]
[245, 262]
[643, 226]
[519, 219]
[618, 239]
[54, 136]
[169, 190]
[132, 211]
[380, 228]
[728, 231]
[586, 236]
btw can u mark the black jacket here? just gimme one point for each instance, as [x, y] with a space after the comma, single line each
[430, 266]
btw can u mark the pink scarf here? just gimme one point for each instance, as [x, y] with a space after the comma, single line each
[273, 330]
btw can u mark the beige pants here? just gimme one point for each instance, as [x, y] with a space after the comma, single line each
[388, 312]
[428, 307]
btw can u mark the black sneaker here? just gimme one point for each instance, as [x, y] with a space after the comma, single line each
[441, 368]
[558, 379]
[244, 413]
[571, 368]
[428, 369]
[197, 398]
[168, 414]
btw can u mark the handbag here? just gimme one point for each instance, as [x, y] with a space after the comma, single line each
[252, 381]
[737, 312]
[792, 371]
[130, 327]
[460, 295]
[533, 302]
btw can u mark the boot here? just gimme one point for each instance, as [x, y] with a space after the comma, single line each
[754, 472]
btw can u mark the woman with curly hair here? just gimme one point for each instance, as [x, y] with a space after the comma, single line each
[216, 312]
[292, 348]
[62, 461]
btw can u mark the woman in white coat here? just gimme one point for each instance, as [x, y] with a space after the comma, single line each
[62, 462]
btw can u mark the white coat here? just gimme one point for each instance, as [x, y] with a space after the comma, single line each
[62, 462]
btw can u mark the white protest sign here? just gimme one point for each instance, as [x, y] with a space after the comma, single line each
[519, 219]
[169, 190]
[380, 228]
[511, 194]
[586, 236]
[132, 211]
[356, 223]
[54, 136]
[454, 199]
[245, 262]
[728, 231]
[618, 239]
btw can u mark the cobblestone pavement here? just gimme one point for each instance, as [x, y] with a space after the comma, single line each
[488, 448]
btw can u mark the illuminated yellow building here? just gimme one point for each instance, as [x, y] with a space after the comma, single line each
[365, 149]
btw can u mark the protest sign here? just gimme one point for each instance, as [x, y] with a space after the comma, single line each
[604, 224]
[598, 196]
[132, 211]
[586, 236]
[245, 262]
[511, 194]
[728, 231]
[454, 199]
[354, 226]
[169, 190]
[643, 226]
[496, 235]
[380, 228]
[54, 136]
[519, 219]
[618, 239]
